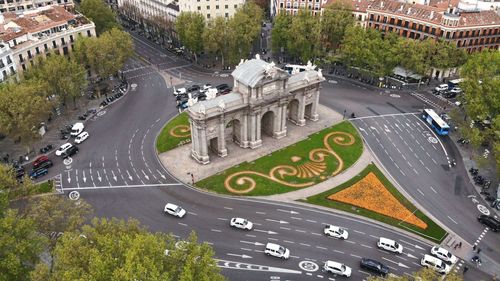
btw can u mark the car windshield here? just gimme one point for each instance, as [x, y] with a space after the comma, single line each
[448, 255]
[341, 231]
[282, 250]
[244, 222]
[178, 209]
[342, 268]
[396, 245]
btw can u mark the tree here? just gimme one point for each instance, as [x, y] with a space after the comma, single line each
[11, 188]
[280, 32]
[22, 107]
[305, 38]
[245, 27]
[64, 78]
[20, 246]
[216, 38]
[123, 250]
[190, 27]
[336, 18]
[101, 14]
[106, 54]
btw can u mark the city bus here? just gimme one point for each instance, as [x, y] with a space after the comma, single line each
[294, 68]
[439, 126]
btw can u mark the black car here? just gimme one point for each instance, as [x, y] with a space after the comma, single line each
[70, 152]
[374, 266]
[44, 165]
[222, 87]
[193, 88]
[19, 171]
[490, 222]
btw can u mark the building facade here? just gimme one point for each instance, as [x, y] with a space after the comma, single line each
[149, 9]
[211, 9]
[473, 31]
[41, 31]
[263, 99]
[7, 64]
[23, 5]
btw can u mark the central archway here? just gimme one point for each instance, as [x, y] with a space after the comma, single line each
[267, 123]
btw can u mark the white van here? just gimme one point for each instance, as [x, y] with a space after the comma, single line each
[389, 245]
[277, 251]
[77, 129]
[435, 263]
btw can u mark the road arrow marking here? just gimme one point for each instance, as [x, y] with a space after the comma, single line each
[411, 256]
[287, 211]
[69, 177]
[241, 256]
[84, 178]
[253, 243]
[161, 175]
[280, 221]
[361, 129]
[395, 262]
[373, 128]
[99, 176]
[418, 247]
[146, 176]
[129, 176]
[114, 177]
[265, 231]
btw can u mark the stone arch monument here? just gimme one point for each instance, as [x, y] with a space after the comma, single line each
[263, 98]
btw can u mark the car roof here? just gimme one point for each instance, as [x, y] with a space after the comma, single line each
[333, 263]
[442, 250]
[170, 205]
[272, 245]
[239, 219]
[66, 145]
[432, 258]
[387, 240]
[333, 226]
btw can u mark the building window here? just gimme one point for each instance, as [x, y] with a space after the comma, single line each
[236, 6]
[46, 47]
[88, 33]
[24, 67]
[199, 8]
[226, 15]
[21, 59]
[9, 60]
[54, 44]
[226, 6]
[208, 16]
[37, 50]
[12, 70]
[71, 39]
[208, 7]
[4, 73]
[216, 7]
[29, 54]
[2, 65]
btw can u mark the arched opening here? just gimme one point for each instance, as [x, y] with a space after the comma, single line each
[308, 111]
[293, 111]
[267, 123]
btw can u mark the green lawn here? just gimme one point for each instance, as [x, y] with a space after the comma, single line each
[166, 141]
[432, 232]
[296, 157]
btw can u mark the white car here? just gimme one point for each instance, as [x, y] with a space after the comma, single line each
[241, 223]
[442, 87]
[337, 268]
[174, 210]
[389, 245]
[443, 254]
[180, 91]
[206, 87]
[81, 137]
[63, 148]
[276, 250]
[335, 231]
[456, 90]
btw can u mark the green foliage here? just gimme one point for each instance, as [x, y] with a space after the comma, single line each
[190, 27]
[336, 18]
[63, 78]
[123, 250]
[304, 41]
[481, 97]
[20, 246]
[106, 54]
[245, 27]
[22, 107]
[101, 14]
[280, 32]
[166, 141]
[216, 37]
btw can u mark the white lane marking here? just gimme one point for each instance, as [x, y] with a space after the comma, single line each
[228, 208]
[246, 249]
[349, 241]
[366, 246]
[360, 232]
[356, 256]
[315, 233]
[215, 230]
[373, 236]
[313, 221]
[300, 230]
[222, 219]
[260, 213]
[183, 224]
[285, 228]
[296, 218]
[452, 220]
[322, 248]
[287, 241]
[337, 251]
[433, 189]
[250, 235]
[304, 244]
[272, 239]
[420, 191]
[194, 214]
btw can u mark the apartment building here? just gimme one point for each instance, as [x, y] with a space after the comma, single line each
[39, 32]
[473, 31]
[23, 5]
[149, 9]
[211, 8]
[7, 64]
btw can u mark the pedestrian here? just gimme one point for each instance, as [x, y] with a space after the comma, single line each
[192, 178]
[478, 250]
[460, 245]
[465, 269]
[474, 248]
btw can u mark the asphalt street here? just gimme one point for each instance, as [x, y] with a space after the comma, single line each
[117, 171]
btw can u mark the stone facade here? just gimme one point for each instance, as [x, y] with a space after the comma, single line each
[264, 97]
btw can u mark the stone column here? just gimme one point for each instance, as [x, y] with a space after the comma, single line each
[302, 105]
[204, 146]
[244, 136]
[314, 109]
[255, 140]
[283, 117]
[278, 128]
[221, 149]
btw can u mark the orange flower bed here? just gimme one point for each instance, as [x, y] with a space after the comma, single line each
[369, 193]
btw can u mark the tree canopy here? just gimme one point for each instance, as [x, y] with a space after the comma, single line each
[101, 14]
[190, 27]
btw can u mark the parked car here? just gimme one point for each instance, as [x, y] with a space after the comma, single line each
[441, 88]
[435, 263]
[241, 223]
[374, 266]
[222, 87]
[335, 231]
[490, 222]
[81, 137]
[180, 91]
[69, 152]
[18, 171]
[206, 86]
[63, 148]
[77, 129]
[456, 90]
[389, 245]
[44, 165]
[193, 88]
[443, 254]
[40, 160]
[337, 268]
[174, 210]
[35, 174]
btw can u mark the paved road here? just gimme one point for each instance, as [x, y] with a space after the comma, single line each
[120, 154]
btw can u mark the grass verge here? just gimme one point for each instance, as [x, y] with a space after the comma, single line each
[167, 141]
[294, 157]
[433, 231]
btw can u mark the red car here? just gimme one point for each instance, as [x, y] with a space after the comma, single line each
[40, 160]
